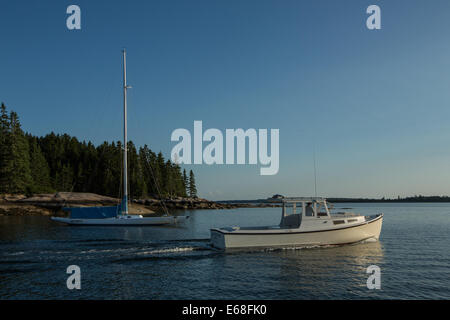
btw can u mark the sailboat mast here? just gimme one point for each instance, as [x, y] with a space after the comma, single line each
[125, 140]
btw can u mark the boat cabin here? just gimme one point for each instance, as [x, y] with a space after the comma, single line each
[295, 210]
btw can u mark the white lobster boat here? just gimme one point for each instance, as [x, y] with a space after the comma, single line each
[312, 225]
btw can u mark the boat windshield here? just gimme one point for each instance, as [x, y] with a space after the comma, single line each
[309, 212]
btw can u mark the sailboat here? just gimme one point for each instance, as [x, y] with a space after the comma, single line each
[116, 215]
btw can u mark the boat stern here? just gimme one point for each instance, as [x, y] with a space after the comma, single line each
[218, 239]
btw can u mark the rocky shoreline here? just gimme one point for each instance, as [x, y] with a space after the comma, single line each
[52, 204]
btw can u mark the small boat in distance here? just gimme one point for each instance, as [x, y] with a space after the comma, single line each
[313, 225]
[116, 215]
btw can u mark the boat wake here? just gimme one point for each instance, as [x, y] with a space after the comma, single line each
[301, 247]
[370, 240]
[167, 250]
[278, 249]
[127, 251]
[112, 250]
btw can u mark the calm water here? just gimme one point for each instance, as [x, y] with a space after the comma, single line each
[178, 263]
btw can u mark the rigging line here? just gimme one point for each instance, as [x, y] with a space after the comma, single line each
[129, 176]
[70, 192]
[119, 200]
[158, 189]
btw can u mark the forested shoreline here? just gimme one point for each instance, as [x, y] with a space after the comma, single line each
[54, 162]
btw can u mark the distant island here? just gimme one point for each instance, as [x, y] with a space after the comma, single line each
[398, 199]
[417, 198]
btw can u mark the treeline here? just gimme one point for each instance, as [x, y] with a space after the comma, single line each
[30, 164]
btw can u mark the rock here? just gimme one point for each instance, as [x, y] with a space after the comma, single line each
[51, 204]
[68, 198]
[12, 197]
[12, 209]
[139, 209]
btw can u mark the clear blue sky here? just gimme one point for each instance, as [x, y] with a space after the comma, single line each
[374, 103]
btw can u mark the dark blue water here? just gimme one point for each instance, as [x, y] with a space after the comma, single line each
[178, 262]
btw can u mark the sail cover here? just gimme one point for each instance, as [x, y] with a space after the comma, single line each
[93, 212]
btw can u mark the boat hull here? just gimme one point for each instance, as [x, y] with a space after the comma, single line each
[145, 221]
[293, 237]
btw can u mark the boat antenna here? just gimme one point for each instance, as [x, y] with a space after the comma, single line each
[315, 174]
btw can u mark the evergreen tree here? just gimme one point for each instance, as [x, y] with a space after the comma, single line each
[192, 187]
[179, 182]
[160, 174]
[20, 176]
[185, 183]
[89, 160]
[170, 185]
[5, 151]
[40, 172]
[147, 160]
[64, 178]
[108, 170]
[138, 187]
